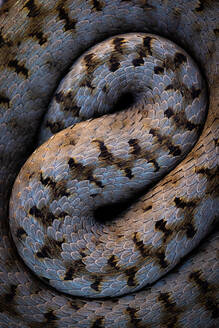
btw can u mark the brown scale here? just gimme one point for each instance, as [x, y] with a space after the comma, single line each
[51, 249]
[207, 293]
[171, 313]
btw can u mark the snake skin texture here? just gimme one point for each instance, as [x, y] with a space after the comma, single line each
[39, 41]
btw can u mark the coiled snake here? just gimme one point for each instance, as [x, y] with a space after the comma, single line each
[109, 268]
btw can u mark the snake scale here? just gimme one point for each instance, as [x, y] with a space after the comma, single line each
[128, 256]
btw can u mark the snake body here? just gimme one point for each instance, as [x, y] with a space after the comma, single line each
[176, 213]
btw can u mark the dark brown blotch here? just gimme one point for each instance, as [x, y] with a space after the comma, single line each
[72, 271]
[87, 82]
[91, 62]
[207, 293]
[52, 249]
[147, 251]
[82, 172]
[57, 189]
[50, 317]
[19, 68]
[105, 154]
[114, 63]
[188, 209]
[135, 148]
[4, 42]
[39, 36]
[158, 70]
[166, 141]
[179, 59]
[134, 320]
[70, 24]
[140, 245]
[128, 173]
[7, 301]
[55, 127]
[155, 164]
[118, 44]
[200, 6]
[32, 8]
[67, 102]
[216, 31]
[161, 226]
[138, 61]
[96, 285]
[98, 323]
[113, 261]
[170, 314]
[147, 44]
[181, 121]
[169, 87]
[97, 5]
[147, 208]
[4, 100]
[212, 176]
[180, 203]
[195, 92]
[169, 112]
[130, 273]
[21, 233]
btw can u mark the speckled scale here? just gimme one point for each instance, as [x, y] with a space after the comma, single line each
[35, 54]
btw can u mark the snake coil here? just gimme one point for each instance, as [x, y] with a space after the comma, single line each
[109, 273]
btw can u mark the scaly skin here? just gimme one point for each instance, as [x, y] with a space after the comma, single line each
[38, 43]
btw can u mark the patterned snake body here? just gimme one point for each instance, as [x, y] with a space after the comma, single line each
[174, 215]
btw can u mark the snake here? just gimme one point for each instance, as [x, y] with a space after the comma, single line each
[108, 218]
